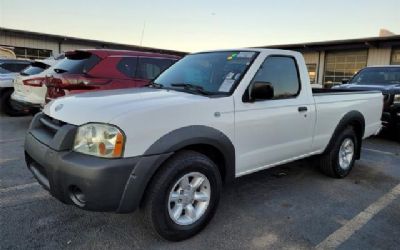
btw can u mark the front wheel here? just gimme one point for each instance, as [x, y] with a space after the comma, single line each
[183, 196]
[339, 160]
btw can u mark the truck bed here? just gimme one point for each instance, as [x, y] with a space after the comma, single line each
[333, 104]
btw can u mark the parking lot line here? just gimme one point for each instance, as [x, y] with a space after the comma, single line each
[380, 151]
[347, 230]
[19, 187]
[2, 161]
[11, 140]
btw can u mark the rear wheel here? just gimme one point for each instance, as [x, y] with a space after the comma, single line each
[6, 106]
[339, 160]
[183, 196]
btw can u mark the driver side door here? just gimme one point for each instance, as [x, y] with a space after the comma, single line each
[271, 131]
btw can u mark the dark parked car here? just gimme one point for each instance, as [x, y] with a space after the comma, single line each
[387, 80]
[101, 69]
[9, 69]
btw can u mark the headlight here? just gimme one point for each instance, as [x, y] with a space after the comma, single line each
[100, 140]
[396, 99]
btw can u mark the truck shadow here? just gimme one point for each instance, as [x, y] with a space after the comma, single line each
[291, 206]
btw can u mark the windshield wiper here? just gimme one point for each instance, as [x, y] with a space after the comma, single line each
[155, 85]
[192, 87]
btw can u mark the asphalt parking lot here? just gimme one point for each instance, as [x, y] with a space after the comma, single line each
[290, 207]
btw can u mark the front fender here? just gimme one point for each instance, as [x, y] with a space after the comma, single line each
[163, 148]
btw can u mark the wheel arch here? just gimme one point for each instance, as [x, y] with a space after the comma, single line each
[354, 119]
[203, 139]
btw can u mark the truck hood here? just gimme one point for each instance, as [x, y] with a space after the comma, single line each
[104, 106]
[385, 88]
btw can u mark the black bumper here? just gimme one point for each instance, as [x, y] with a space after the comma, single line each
[20, 105]
[89, 182]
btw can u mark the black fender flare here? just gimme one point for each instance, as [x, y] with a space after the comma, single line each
[197, 135]
[165, 147]
[352, 118]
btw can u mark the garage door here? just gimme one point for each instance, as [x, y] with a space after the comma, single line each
[395, 57]
[343, 65]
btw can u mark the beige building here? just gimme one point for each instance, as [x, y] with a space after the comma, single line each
[328, 62]
[34, 45]
[332, 61]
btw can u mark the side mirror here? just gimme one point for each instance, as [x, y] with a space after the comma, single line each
[261, 91]
[345, 81]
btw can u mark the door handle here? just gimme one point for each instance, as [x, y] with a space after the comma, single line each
[302, 109]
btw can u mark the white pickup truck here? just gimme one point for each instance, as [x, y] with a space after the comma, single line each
[210, 118]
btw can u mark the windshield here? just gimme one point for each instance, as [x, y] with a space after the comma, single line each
[213, 72]
[377, 76]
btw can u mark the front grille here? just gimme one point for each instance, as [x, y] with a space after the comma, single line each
[50, 124]
[54, 133]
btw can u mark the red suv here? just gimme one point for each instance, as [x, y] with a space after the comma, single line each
[100, 69]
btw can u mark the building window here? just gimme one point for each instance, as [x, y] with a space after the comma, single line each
[343, 65]
[312, 72]
[395, 57]
[30, 53]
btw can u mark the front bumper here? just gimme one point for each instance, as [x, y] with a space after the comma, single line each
[89, 182]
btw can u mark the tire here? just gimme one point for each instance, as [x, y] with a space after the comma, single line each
[6, 106]
[331, 163]
[158, 206]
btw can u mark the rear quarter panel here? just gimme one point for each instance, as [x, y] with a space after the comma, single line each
[332, 107]
[28, 93]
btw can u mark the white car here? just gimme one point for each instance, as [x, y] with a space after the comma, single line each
[9, 69]
[208, 119]
[29, 89]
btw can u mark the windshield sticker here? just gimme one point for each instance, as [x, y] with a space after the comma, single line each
[245, 54]
[233, 56]
[226, 85]
[230, 75]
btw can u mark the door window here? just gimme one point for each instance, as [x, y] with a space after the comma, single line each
[128, 66]
[282, 74]
[150, 68]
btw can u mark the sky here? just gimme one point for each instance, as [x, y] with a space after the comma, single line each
[193, 25]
